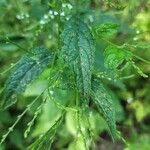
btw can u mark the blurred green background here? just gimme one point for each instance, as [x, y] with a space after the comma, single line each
[25, 24]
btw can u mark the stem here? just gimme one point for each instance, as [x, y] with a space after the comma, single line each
[36, 113]
[19, 118]
[138, 57]
[59, 105]
[127, 77]
[11, 67]
[10, 41]
[91, 130]
[78, 116]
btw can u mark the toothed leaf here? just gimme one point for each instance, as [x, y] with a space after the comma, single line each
[28, 68]
[107, 29]
[103, 101]
[115, 56]
[78, 52]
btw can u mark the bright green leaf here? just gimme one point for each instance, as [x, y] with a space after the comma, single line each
[107, 29]
[115, 56]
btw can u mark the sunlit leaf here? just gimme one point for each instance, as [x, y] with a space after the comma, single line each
[107, 29]
[115, 56]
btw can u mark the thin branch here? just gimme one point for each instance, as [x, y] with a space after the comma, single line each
[19, 118]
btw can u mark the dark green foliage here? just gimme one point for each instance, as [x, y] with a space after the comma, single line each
[78, 52]
[26, 70]
[104, 103]
[86, 87]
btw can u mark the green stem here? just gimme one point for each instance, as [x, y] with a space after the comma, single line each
[138, 57]
[36, 113]
[19, 118]
[78, 116]
[10, 41]
[91, 133]
[11, 67]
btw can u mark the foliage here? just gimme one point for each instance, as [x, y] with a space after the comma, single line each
[26, 70]
[91, 78]
[78, 52]
[104, 103]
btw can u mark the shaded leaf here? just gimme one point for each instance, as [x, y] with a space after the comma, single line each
[104, 103]
[27, 69]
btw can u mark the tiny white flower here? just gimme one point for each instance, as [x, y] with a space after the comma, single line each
[51, 92]
[67, 18]
[52, 16]
[135, 38]
[63, 5]
[137, 32]
[50, 12]
[42, 22]
[27, 15]
[69, 6]
[45, 16]
[55, 13]
[62, 14]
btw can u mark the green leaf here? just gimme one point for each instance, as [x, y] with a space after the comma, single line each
[77, 144]
[107, 29]
[104, 103]
[78, 52]
[139, 71]
[141, 45]
[118, 4]
[28, 68]
[114, 56]
[44, 142]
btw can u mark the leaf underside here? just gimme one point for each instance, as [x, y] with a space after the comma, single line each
[104, 103]
[28, 68]
[78, 52]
